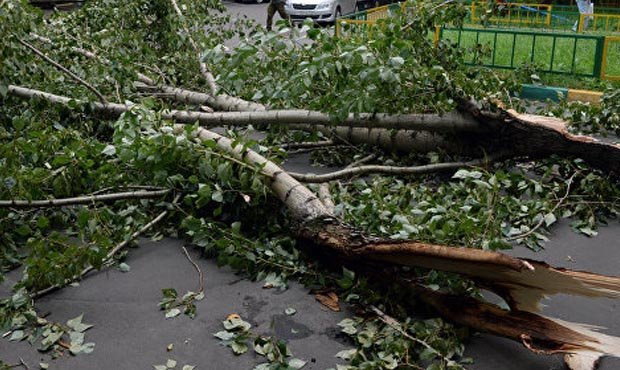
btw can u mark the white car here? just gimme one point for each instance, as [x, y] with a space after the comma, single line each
[320, 11]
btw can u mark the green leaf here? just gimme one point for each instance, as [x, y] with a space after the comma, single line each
[109, 150]
[171, 364]
[296, 363]
[217, 196]
[236, 323]
[123, 267]
[239, 348]
[550, 219]
[224, 335]
[347, 354]
[77, 325]
[173, 312]
[17, 335]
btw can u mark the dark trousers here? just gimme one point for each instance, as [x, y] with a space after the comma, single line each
[271, 10]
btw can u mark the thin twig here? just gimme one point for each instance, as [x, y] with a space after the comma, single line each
[366, 159]
[201, 285]
[110, 254]
[63, 69]
[23, 363]
[87, 199]
[394, 324]
[308, 144]
[542, 220]
[141, 187]
[310, 149]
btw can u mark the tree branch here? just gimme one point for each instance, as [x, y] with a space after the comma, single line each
[390, 170]
[63, 69]
[201, 285]
[308, 144]
[394, 324]
[109, 255]
[542, 220]
[87, 199]
[204, 70]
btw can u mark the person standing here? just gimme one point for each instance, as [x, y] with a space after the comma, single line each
[276, 5]
[585, 7]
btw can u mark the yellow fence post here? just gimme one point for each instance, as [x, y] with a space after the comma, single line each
[549, 15]
[436, 38]
[473, 12]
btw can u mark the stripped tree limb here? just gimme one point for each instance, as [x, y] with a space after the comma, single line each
[391, 170]
[87, 199]
[63, 69]
[109, 255]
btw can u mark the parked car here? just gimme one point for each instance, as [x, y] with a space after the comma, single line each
[321, 11]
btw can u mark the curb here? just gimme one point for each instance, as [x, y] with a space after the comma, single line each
[536, 92]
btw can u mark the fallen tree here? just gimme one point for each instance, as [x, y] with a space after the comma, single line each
[140, 140]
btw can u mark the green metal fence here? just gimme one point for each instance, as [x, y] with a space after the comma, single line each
[559, 53]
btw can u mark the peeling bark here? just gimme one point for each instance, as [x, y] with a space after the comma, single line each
[581, 345]
[538, 136]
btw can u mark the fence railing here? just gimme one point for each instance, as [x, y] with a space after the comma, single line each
[364, 20]
[558, 17]
[599, 22]
[512, 13]
[611, 52]
[558, 53]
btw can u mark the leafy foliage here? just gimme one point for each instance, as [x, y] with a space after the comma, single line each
[379, 346]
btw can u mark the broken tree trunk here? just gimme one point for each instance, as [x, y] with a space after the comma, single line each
[521, 282]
